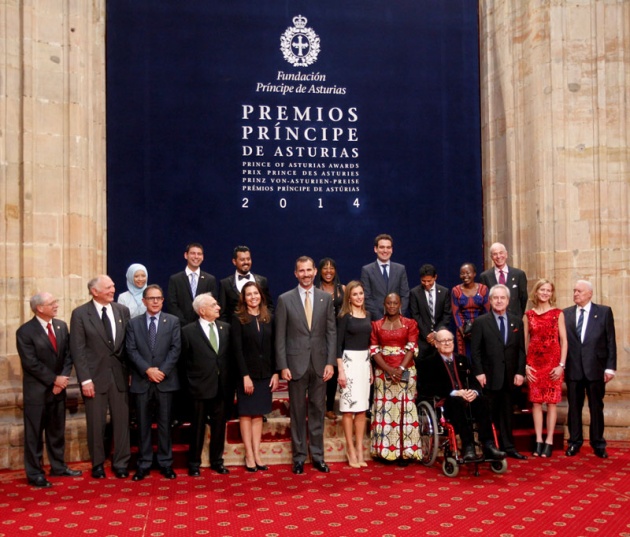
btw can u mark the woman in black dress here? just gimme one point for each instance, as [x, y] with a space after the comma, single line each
[327, 279]
[253, 345]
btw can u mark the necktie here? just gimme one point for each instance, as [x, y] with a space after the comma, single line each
[502, 277]
[213, 337]
[502, 329]
[385, 276]
[51, 336]
[451, 368]
[308, 309]
[193, 284]
[152, 333]
[431, 310]
[580, 323]
[107, 325]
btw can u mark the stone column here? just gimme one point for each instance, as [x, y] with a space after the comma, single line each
[555, 92]
[52, 170]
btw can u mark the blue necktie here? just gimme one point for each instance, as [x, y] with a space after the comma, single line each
[152, 333]
[193, 284]
[502, 329]
[580, 323]
[385, 276]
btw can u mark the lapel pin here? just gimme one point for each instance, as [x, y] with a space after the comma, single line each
[594, 316]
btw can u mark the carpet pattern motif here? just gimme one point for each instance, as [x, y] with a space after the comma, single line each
[561, 496]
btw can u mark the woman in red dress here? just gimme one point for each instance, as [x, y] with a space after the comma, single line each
[546, 345]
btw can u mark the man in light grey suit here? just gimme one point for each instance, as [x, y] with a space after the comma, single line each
[153, 346]
[306, 340]
[97, 347]
[383, 277]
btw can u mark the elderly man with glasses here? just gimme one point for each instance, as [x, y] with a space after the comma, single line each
[447, 374]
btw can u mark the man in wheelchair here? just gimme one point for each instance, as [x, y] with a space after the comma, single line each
[445, 374]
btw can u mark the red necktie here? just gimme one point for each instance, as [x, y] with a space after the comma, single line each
[502, 277]
[51, 336]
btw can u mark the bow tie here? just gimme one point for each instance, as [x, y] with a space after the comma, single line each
[241, 277]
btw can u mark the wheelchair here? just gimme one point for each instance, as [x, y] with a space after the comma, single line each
[436, 434]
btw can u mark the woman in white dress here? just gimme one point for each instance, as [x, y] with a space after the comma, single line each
[355, 371]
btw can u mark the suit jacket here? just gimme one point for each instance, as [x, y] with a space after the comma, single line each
[229, 295]
[40, 363]
[375, 290]
[254, 351]
[164, 356]
[296, 345]
[516, 282]
[435, 380]
[421, 313]
[207, 371]
[180, 299]
[91, 352]
[490, 356]
[598, 352]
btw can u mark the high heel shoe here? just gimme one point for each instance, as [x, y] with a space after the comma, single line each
[538, 450]
[262, 467]
[546, 452]
[351, 463]
[251, 468]
[362, 464]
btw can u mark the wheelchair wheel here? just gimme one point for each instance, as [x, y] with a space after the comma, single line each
[499, 467]
[428, 433]
[450, 467]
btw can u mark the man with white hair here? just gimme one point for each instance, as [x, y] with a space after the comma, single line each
[591, 364]
[205, 355]
[514, 279]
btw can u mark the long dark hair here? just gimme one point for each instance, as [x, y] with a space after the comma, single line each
[241, 309]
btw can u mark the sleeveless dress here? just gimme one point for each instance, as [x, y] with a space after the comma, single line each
[353, 347]
[543, 354]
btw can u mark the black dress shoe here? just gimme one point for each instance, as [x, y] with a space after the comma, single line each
[140, 474]
[538, 449]
[298, 468]
[40, 481]
[490, 452]
[515, 454]
[121, 473]
[67, 472]
[194, 472]
[321, 466]
[262, 467]
[219, 468]
[601, 453]
[98, 472]
[469, 453]
[251, 468]
[168, 473]
[572, 450]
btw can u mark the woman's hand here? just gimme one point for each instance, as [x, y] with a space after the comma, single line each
[248, 385]
[556, 373]
[529, 371]
[274, 382]
[341, 378]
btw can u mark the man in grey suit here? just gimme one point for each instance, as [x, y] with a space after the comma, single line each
[97, 346]
[514, 279]
[383, 277]
[306, 341]
[153, 346]
[43, 346]
[591, 364]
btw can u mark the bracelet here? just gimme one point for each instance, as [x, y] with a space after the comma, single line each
[402, 368]
[562, 365]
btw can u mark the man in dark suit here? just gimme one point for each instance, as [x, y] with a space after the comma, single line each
[514, 279]
[97, 346]
[44, 350]
[230, 288]
[153, 347]
[383, 277]
[430, 306]
[184, 286]
[591, 363]
[306, 341]
[498, 361]
[206, 354]
[446, 374]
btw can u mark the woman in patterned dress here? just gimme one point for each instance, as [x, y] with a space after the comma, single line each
[546, 345]
[393, 345]
[469, 300]
[355, 370]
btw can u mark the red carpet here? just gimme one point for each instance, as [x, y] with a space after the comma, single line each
[562, 496]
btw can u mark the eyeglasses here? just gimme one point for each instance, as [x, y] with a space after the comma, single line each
[445, 341]
[154, 298]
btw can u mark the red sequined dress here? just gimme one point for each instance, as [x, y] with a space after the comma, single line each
[543, 354]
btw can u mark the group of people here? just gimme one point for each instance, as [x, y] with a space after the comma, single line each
[221, 339]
